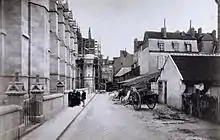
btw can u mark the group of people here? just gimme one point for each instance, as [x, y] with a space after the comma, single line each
[75, 98]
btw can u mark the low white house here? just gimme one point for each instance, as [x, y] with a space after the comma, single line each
[183, 73]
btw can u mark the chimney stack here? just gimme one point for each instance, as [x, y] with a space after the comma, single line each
[164, 30]
[218, 46]
[200, 31]
[214, 35]
[135, 44]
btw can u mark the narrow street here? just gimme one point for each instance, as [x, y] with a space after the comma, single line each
[103, 119]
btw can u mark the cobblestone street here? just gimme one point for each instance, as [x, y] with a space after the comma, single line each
[104, 119]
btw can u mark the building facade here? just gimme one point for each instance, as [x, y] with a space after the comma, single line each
[37, 38]
[156, 46]
[182, 74]
[88, 62]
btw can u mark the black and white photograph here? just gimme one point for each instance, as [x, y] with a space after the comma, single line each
[109, 69]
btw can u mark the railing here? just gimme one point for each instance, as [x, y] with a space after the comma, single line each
[31, 111]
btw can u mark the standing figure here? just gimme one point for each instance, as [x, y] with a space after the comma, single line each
[78, 98]
[70, 102]
[83, 97]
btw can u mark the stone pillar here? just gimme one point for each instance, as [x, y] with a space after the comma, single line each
[16, 91]
[72, 50]
[54, 47]
[37, 90]
[61, 33]
[14, 42]
[60, 87]
[67, 42]
[40, 41]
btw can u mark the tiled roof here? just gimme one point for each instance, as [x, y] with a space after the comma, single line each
[199, 68]
[170, 35]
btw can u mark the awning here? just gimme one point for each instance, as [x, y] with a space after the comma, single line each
[141, 81]
[123, 71]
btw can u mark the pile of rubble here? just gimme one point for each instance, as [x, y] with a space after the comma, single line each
[166, 113]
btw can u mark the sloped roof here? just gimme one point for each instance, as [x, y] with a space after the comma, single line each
[123, 71]
[199, 68]
[141, 81]
[170, 35]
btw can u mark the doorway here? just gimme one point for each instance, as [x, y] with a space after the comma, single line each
[162, 91]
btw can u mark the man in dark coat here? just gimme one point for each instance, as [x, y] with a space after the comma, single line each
[78, 98]
[83, 97]
[70, 99]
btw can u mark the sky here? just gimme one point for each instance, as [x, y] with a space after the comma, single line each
[116, 23]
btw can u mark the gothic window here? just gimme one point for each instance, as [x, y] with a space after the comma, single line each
[175, 46]
[161, 45]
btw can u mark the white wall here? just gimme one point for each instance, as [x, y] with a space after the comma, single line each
[175, 87]
[143, 61]
[148, 60]
[153, 45]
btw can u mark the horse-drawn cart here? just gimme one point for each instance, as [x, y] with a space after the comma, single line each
[139, 97]
[141, 92]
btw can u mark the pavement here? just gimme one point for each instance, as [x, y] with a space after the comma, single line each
[103, 119]
[54, 128]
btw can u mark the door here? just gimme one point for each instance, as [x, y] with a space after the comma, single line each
[165, 92]
[162, 91]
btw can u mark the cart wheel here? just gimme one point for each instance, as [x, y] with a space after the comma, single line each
[152, 102]
[136, 100]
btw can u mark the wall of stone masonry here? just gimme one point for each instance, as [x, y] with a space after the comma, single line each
[14, 40]
[12, 125]
[52, 38]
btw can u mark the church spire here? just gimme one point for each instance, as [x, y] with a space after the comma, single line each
[89, 34]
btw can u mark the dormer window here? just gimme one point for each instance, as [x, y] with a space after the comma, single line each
[175, 46]
[161, 45]
[188, 47]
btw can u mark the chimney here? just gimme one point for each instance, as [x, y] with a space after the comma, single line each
[214, 35]
[164, 32]
[200, 31]
[164, 29]
[192, 32]
[135, 44]
[218, 46]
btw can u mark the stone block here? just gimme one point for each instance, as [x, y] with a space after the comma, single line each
[54, 78]
[11, 122]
